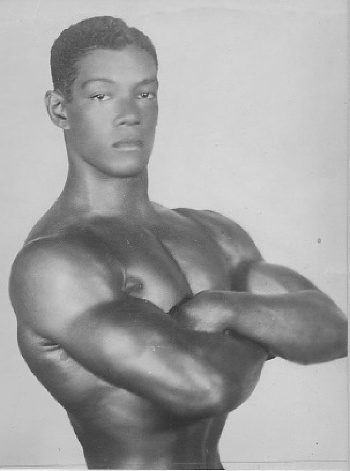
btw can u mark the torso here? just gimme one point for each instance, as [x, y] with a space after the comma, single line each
[165, 264]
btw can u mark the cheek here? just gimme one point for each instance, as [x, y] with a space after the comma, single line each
[86, 136]
[156, 116]
[86, 118]
[150, 117]
[90, 128]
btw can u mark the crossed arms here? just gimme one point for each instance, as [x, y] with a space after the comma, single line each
[280, 310]
[183, 362]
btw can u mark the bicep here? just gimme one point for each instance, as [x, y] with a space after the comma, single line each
[266, 278]
[52, 283]
[249, 271]
[67, 297]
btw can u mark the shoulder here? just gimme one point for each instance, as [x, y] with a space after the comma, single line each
[232, 238]
[54, 277]
[74, 244]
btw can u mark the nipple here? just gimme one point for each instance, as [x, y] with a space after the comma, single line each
[133, 285]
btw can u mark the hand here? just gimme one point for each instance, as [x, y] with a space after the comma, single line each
[204, 312]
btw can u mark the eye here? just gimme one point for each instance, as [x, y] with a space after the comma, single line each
[100, 97]
[147, 95]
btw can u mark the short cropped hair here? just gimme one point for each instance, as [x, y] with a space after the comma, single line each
[99, 32]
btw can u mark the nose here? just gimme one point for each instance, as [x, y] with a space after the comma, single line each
[127, 113]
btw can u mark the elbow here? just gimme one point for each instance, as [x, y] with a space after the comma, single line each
[217, 394]
[330, 344]
[340, 337]
[228, 393]
[224, 395]
[211, 398]
[335, 333]
[336, 345]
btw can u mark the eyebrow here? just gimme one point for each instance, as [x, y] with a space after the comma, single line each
[105, 80]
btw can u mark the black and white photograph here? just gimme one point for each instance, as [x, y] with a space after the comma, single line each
[174, 241]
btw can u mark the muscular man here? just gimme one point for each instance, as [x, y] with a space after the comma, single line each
[148, 325]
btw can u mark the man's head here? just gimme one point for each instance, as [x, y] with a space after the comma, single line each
[105, 95]
[99, 32]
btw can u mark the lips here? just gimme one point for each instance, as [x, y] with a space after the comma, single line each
[128, 144]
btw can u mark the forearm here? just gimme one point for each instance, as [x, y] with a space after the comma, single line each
[304, 326]
[141, 349]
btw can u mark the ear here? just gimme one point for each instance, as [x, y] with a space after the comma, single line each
[56, 108]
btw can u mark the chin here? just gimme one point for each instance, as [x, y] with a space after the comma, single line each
[126, 170]
[128, 174]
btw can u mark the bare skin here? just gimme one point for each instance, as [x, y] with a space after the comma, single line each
[124, 306]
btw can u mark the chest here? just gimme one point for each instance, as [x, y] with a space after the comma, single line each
[165, 266]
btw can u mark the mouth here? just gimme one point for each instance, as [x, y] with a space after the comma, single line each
[128, 144]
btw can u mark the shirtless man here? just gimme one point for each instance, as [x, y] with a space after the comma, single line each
[148, 325]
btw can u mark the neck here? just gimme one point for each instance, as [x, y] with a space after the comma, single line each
[109, 196]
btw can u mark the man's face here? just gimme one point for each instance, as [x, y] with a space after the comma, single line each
[113, 112]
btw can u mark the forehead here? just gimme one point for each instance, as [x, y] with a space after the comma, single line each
[129, 64]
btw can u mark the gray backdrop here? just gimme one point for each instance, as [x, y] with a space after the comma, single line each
[253, 104]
